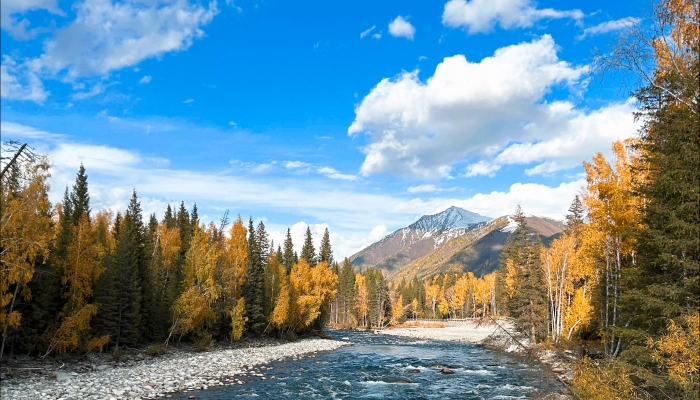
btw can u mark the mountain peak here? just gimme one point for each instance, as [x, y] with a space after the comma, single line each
[451, 218]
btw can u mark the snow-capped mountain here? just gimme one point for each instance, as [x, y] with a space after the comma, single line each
[452, 218]
[418, 239]
[451, 240]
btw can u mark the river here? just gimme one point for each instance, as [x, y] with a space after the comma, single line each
[371, 368]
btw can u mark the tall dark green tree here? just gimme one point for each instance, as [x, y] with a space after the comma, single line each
[288, 258]
[325, 252]
[80, 198]
[253, 288]
[308, 252]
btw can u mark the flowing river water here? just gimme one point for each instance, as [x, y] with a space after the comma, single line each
[378, 367]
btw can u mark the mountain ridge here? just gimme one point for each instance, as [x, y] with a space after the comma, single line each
[449, 241]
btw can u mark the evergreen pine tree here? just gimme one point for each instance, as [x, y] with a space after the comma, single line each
[169, 218]
[253, 287]
[80, 198]
[325, 252]
[288, 257]
[307, 251]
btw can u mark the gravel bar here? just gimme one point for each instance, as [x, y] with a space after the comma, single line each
[156, 377]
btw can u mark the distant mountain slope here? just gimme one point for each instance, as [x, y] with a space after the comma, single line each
[418, 239]
[477, 251]
[455, 240]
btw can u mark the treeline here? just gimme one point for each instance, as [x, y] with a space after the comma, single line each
[75, 280]
[625, 275]
[367, 299]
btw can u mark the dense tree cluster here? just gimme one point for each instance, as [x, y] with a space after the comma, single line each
[625, 276]
[76, 280]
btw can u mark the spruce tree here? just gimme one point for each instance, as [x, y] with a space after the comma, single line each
[307, 251]
[288, 257]
[127, 279]
[143, 267]
[325, 252]
[169, 218]
[80, 198]
[253, 287]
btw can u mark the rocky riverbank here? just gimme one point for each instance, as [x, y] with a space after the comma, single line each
[142, 376]
[502, 336]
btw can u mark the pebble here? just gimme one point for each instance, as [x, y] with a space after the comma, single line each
[156, 377]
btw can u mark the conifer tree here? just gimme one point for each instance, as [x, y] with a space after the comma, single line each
[325, 252]
[80, 198]
[253, 288]
[288, 257]
[169, 218]
[127, 262]
[308, 252]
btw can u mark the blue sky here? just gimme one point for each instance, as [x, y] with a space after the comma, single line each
[360, 116]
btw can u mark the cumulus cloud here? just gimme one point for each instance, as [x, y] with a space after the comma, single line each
[481, 16]
[610, 26]
[145, 79]
[466, 109]
[107, 36]
[188, 101]
[21, 81]
[18, 27]
[400, 27]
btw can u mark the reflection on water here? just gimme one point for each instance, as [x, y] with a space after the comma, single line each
[378, 367]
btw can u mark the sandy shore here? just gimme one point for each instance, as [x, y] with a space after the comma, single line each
[462, 331]
[156, 377]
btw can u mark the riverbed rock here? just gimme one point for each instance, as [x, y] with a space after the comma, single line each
[414, 371]
[446, 371]
[175, 371]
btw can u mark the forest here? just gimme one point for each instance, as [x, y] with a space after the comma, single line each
[622, 281]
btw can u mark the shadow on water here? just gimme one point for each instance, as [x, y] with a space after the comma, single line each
[384, 367]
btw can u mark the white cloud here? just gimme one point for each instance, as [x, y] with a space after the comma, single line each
[377, 233]
[377, 35]
[256, 168]
[334, 174]
[534, 198]
[145, 79]
[575, 135]
[21, 81]
[97, 89]
[232, 123]
[107, 36]
[367, 32]
[296, 164]
[481, 168]
[610, 26]
[466, 109]
[18, 28]
[188, 101]
[481, 16]
[15, 130]
[400, 27]
[422, 189]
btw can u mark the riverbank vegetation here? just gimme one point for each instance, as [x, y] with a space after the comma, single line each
[625, 276]
[75, 280]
